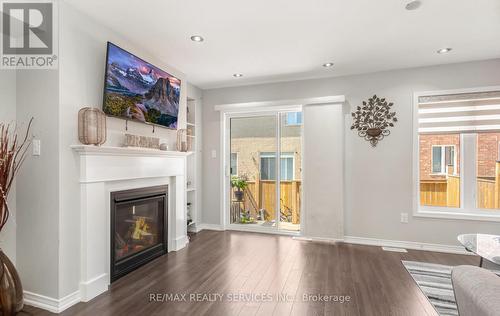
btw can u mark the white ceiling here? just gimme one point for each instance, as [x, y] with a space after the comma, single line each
[277, 40]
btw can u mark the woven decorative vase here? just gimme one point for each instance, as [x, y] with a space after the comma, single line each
[91, 126]
[182, 144]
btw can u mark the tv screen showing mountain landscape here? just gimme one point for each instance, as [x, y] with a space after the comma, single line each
[135, 89]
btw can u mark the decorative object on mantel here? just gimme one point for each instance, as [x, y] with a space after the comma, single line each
[91, 126]
[373, 119]
[142, 141]
[182, 144]
[13, 151]
[164, 146]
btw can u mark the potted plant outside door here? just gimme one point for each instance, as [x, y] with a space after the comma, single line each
[240, 183]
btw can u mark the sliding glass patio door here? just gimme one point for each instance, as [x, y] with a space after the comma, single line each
[265, 192]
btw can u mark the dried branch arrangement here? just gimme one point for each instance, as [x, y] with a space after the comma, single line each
[13, 150]
[373, 119]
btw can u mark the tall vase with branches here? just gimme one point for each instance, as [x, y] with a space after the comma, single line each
[13, 151]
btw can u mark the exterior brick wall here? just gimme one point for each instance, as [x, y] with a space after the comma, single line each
[252, 136]
[425, 143]
[249, 149]
[487, 153]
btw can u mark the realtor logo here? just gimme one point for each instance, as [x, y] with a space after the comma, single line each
[28, 40]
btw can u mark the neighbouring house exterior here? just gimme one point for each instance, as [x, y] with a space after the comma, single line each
[253, 149]
[442, 146]
[250, 153]
[429, 144]
[488, 154]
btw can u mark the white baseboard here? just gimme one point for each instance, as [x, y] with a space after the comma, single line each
[318, 239]
[244, 228]
[94, 287]
[192, 228]
[389, 243]
[51, 304]
[180, 243]
[260, 229]
[202, 226]
[406, 244]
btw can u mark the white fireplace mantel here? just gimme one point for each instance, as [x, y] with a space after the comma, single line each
[126, 151]
[108, 169]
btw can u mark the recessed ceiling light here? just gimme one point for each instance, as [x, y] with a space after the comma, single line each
[326, 65]
[444, 50]
[197, 38]
[237, 75]
[413, 5]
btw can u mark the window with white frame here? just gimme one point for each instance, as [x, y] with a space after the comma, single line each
[234, 164]
[443, 158]
[268, 166]
[458, 151]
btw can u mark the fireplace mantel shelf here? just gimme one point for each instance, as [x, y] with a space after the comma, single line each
[127, 151]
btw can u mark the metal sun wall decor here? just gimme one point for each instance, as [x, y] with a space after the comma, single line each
[373, 119]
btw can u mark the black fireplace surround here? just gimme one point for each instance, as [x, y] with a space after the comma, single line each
[138, 228]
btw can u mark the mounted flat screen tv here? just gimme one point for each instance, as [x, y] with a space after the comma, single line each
[135, 89]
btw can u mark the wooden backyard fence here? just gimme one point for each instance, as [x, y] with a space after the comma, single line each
[446, 192]
[263, 194]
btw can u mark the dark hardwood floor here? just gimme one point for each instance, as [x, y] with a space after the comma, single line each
[237, 262]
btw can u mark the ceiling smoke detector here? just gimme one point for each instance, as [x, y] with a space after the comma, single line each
[413, 5]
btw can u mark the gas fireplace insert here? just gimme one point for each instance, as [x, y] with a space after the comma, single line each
[138, 228]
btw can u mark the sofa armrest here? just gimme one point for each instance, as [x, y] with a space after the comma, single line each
[477, 291]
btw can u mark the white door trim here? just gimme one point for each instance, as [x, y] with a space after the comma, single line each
[279, 104]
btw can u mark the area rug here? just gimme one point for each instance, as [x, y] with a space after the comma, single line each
[435, 282]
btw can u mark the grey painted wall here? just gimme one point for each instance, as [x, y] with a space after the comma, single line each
[38, 184]
[378, 181]
[323, 173]
[8, 116]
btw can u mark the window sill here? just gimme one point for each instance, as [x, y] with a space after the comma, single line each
[460, 215]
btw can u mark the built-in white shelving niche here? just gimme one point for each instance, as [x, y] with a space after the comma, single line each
[193, 164]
